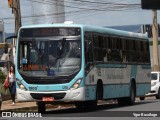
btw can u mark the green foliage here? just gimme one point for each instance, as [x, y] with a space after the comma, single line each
[2, 77]
[2, 90]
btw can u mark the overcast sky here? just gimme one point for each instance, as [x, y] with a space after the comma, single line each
[92, 12]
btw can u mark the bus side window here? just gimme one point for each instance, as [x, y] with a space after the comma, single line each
[88, 48]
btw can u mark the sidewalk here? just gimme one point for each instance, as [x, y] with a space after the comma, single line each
[18, 106]
[32, 107]
[28, 106]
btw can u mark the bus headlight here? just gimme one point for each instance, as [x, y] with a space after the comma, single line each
[76, 84]
[21, 86]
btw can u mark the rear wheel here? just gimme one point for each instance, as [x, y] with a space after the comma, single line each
[129, 100]
[158, 95]
[142, 98]
[41, 107]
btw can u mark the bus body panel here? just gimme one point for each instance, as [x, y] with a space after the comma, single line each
[116, 80]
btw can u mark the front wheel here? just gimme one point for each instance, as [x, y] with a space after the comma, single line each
[131, 99]
[158, 95]
[41, 107]
[87, 105]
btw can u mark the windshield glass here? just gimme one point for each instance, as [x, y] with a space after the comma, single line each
[49, 55]
[153, 76]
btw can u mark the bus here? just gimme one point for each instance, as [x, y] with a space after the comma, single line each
[81, 64]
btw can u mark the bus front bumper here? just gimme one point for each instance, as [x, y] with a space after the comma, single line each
[69, 95]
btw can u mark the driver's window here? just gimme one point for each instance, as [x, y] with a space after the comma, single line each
[88, 48]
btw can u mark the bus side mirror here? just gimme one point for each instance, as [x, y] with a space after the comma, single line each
[6, 48]
[6, 45]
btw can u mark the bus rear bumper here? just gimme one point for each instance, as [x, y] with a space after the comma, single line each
[69, 95]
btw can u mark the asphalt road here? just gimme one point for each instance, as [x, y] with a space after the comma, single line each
[144, 110]
[141, 108]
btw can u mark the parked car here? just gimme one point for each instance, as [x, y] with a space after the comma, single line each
[155, 85]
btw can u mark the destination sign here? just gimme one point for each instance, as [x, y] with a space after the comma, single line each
[45, 32]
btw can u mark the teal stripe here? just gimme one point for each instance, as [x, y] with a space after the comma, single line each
[146, 66]
[111, 65]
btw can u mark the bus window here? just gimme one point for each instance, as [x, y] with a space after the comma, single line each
[88, 48]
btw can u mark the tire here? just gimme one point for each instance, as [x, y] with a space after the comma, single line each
[93, 103]
[158, 95]
[142, 98]
[80, 105]
[99, 91]
[122, 101]
[131, 99]
[41, 107]
[86, 105]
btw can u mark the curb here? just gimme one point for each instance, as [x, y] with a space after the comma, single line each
[35, 109]
[24, 109]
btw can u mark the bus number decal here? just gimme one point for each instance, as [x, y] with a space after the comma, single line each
[32, 88]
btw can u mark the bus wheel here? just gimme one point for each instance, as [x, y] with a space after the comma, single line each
[131, 99]
[158, 95]
[99, 91]
[89, 105]
[41, 107]
[121, 101]
[80, 104]
[142, 98]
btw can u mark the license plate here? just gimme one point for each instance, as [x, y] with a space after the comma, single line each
[47, 99]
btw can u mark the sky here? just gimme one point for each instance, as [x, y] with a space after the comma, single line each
[91, 12]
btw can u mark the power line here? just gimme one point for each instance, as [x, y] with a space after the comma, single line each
[89, 7]
[70, 12]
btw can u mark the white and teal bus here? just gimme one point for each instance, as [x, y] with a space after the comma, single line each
[81, 64]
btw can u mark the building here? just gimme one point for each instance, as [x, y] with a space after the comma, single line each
[1, 31]
[48, 11]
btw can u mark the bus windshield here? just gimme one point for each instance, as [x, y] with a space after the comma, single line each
[49, 55]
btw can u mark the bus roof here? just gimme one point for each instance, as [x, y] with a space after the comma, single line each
[96, 29]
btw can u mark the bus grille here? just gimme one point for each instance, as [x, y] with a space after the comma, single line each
[47, 81]
[56, 96]
[51, 80]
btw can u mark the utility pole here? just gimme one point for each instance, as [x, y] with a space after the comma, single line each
[15, 6]
[155, 42]
[153, 5]
[17, 13]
